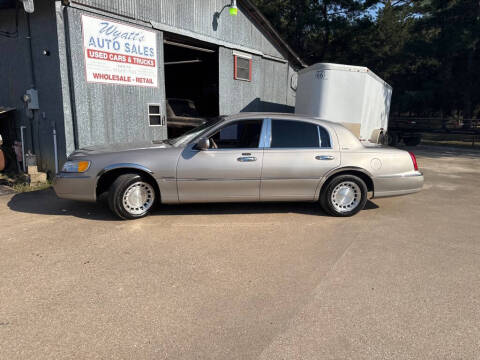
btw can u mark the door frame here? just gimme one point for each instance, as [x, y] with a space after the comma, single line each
[333, 150]
[189, 152]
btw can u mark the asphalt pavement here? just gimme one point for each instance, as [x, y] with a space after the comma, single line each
[401, 280]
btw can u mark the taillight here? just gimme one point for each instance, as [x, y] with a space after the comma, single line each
[414, 160]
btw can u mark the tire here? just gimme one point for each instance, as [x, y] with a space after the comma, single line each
[131, 196]
[392, 139]
[412, 141]
[344, 195]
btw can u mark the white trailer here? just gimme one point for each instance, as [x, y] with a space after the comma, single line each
[351, 95]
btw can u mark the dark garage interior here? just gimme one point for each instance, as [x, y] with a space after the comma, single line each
[191, 73]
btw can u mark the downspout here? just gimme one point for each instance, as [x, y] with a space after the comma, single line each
[32, 77]
[66, 23]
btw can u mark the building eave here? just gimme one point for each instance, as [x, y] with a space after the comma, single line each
[262, 21]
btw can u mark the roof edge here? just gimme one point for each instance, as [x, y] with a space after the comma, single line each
[266, 25]
[343, 67]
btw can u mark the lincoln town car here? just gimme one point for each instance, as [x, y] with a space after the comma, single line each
[247, 157]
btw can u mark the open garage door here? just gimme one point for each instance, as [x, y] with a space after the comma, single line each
[191, 83]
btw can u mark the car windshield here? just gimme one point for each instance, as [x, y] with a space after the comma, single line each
[195, 133]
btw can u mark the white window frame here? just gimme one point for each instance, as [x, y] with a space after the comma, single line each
[162, 117]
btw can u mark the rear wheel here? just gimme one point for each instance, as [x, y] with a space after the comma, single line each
[131, 196]
[345, 195]
[412, 141]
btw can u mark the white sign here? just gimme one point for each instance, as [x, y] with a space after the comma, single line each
[119, 54]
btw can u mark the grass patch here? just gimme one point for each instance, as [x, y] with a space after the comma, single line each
[25, 187]
[20, 183]
[457, 144]
[453, 140]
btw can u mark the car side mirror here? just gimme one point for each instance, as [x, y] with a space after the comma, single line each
[203, 144]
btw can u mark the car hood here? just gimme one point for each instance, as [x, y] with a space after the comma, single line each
[114, 148]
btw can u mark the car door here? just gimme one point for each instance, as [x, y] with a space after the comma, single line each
[229, 170]
[299, 154]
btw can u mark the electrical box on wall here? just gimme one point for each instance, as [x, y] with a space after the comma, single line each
[32, 102]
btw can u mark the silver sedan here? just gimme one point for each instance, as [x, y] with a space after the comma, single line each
[246, 157]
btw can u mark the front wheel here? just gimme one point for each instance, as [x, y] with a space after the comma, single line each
[344, 196]
[131, 196]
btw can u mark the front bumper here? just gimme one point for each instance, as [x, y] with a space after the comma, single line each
[398, 184]
[74, 186]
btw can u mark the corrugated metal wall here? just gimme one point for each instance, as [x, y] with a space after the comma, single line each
[196, 16]
[108, 113]
[112, 114]
[15, 79]
[268, 90]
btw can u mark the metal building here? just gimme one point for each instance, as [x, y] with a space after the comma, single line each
[99, 71]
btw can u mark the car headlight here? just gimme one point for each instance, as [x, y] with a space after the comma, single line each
[76, 166]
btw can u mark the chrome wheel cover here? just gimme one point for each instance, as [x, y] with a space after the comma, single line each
[138, 198]
[346, 196]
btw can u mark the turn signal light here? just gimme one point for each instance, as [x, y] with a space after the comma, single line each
[76, 166]
[414, 160]
[83, 166]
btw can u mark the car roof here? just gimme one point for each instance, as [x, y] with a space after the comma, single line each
[263, 115]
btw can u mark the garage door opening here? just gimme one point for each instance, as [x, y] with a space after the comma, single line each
[191, 84]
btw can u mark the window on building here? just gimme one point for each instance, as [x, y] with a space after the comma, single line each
[242, 134]
[154, 115]
[242, 68]
[298, 134]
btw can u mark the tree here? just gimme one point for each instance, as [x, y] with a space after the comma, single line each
[310, 26]
[454, 26]
[428, 50]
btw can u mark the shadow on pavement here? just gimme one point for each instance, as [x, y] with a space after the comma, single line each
[45, 202]
[248, 208]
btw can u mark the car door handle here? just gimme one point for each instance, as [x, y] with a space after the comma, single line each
[247, 158]
[325, 157]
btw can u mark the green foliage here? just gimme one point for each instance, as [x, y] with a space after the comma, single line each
[428, 50]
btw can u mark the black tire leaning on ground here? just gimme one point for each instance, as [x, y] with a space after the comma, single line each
[119, 188]
[326, 201]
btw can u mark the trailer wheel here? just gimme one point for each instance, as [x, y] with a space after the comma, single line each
[412, 141]
[392, 139]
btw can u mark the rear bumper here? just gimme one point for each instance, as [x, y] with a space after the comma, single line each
[398, 184]
[74, 187]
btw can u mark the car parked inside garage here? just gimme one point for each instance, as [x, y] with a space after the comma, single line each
[182, 115]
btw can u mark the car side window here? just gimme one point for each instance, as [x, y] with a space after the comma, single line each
[294, 134]
[324, 137]
[298, 134]
[242, 134]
